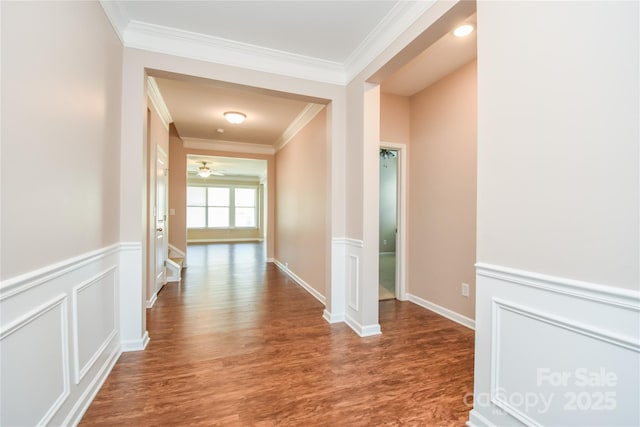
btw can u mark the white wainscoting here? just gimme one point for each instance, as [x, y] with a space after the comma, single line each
[347, 286]
[554, 351]
[304, 285]
[60, 337]
[335, 307]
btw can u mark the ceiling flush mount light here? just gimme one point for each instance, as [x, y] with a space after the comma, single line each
[463, 30]
[204, 171]
[235, 117]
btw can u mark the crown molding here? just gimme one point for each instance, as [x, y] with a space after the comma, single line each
[117, 16]
[153, 92]
[399, 18]
[187, 44]
[229, 146]
[305, 116]
[157, 38]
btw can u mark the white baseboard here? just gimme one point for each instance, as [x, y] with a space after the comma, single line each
[81, 406]
[240, 239]
[477, 420]
[273, 260]
[307, 287]
[332, 318]
[152, 300]
[135, 345]
[362, 330]
[444, 312]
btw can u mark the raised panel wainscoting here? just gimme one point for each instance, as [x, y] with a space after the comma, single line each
[554, 351]
[60, 336]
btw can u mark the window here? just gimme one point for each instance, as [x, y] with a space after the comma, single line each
[221, 207]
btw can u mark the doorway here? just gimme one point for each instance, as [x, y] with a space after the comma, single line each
[388, 223]
[392, 221]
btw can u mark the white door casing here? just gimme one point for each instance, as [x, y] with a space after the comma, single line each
[401, 218]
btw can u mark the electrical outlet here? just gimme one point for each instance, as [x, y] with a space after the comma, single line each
[286, 264]
[384, 242]
[465, 289]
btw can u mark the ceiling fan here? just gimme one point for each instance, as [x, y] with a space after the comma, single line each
[204, 171]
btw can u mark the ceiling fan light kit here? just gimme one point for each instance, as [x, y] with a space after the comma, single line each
[205, 172]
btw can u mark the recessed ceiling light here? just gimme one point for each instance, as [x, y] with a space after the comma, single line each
[235, 117]
[463, 30]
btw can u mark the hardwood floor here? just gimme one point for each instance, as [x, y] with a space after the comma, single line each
[239, 344]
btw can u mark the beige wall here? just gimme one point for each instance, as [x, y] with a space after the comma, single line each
[558, 151]
[442, 195]
[177, 193]
[60, 133]
[395, 113]
[301, 201]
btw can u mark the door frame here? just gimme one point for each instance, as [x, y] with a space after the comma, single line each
[161, 153]
[402, 246]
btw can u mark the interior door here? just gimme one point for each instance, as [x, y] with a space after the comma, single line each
[162, 172]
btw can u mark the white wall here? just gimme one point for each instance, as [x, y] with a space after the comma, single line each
[61, 260]
[558, 213]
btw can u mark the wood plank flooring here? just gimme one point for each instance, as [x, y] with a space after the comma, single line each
[237, 343]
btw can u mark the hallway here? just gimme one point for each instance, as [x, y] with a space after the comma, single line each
[238, 343]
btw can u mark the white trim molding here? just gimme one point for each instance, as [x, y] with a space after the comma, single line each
[402, 243]
[151, 301]
[444, 312]
[303, 119]
[362, 330]
[84, 292]
[397, 20]
[81, 371]
[227, 146]
[585, 290]
[23, 282]
[136, 345]
[348, 241]
[304, 285]
[332, 318]
[20, 326]
[541, 335]
[153, 92]
[238, 239]
[186, 44]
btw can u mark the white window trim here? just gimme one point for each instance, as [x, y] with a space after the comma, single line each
[232, 207]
